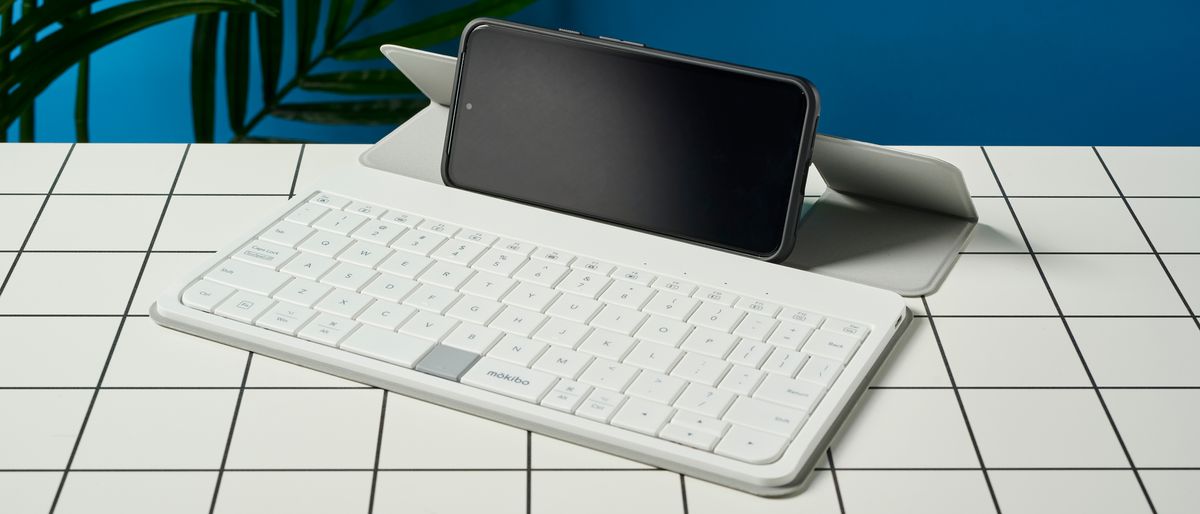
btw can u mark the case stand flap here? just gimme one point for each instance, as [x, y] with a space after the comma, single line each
[890, 219]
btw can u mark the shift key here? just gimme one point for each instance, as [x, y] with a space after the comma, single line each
[509, 379]
[247, 277]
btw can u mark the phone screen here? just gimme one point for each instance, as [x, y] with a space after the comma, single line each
[688, 150]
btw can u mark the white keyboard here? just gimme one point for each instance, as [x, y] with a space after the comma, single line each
[699, 369]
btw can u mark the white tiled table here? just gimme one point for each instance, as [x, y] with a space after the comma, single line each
[1057, 370]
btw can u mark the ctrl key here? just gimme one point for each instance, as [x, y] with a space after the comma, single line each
[751, 446]
[205, 295]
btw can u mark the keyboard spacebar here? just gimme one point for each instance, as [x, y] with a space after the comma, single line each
[509, 379]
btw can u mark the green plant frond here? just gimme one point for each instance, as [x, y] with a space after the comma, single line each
[336, 20]
[371, 112]
[204, 74]
[270, 48]
[359, 82]
[431, 30]
[237, 67]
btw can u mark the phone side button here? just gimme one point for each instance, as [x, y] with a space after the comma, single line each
[569, 31]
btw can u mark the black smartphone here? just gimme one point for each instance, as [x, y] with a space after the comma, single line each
[692, 149]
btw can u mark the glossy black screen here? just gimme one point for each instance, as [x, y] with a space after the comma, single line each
[680, 149]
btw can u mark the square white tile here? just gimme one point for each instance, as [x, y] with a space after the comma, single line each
[1010, 352]
[212, 222]
[818, 497]
[40, 426]
[969, 159]
[1079, 225]
[54, 352]
[245, 169]
[281, 429]
[915, 360]
[493, 492]
[1170, 222]
[551, 453]
[925, 491]
[1173, 491]
[71, 283]
[419, 435]
[97, 223]
[137, 492]
[990, 285]
[1111, 285]
[268, 372]
[1039, 428]
[1159, 426]
[32, 491]
[1050, 171]
[156, 429]
[148, 355]
[121, 168]
[162, 270]
[1185, 269]
[996, 231]
[1154, 171]
[315, 492]
[905, 428]
[1056, 492]
[18, 212]
[641, 492]
[31, 168]
[1139, 351]
[323, 161]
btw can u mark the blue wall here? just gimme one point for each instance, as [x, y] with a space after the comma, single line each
[920, 72]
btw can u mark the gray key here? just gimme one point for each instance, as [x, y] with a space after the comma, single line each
[446, 362]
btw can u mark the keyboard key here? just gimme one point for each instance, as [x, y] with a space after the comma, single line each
[243, 306]
[287, 233]
[709, 342]
[403, 264]
[784, 362]
[308, 265]
[364, 254]
[476, 310]
[716, 316]
[820, 371]
[285, 318]
[716, 296]
[753, 446]
[584, 283]
[794, 394]
[857, 331]
[838, 346]
[652, 356]
[601, 405]
[626, 294]
[517, 350]
[476, 236]
[438, 227]
[446, 362]
[499, 262]
[427, 325]
[379, 232]
[618, 319]
[552, 256]
[674, 286]
[574, 308]
[608, 345]
[518, 321]
[419, 242]
[385, 315]
[563, 362]
[671, 305]
[401, 218]
[509, 380]
[364, 209]
[387, 346]
[302, 292]
[750, 353]
[462, 253]
[753, 306]
[446, 274]
[741, 380]
[790, 335]
[531, 296]
[542, 273]
[518, 247]
[206, 295]
[348, 276]
[593, 266]
[326, 244]
[560, 332]
[306, 214]
[656, 387]
[566, 396]
[765, 416]
[755, 327]
[693, 421]
[689, 437]
[800, 316]
[664, 331]
[704, 400]
[472, 338]
[341, 302]
[339, 222]
[327, 329]
[610, 375]
[247, 277]
[431, 298]
[489, 286]
[636, 276]
[389, 287]
[328, 200]
[700, 369]
[642, 416]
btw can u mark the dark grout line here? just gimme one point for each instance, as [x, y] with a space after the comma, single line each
[683, 492]
[568, 470]
[378, 452]
[1071, 334]
[837, 486]
[528, 472]
[37, 217]
[237, 407]
[117, 336]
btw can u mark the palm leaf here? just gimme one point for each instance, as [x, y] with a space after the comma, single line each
[359, 82]
[26, 130]
[50, 57]
[5, 22]
[204, 72]
[32, 22]
[374, 7]
[270, 48]
[308, 16]
[83, 72]
[431, 30]
[371, 112]
[335, 23]
[237, 67]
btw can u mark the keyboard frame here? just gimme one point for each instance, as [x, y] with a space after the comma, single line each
[885, 311]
